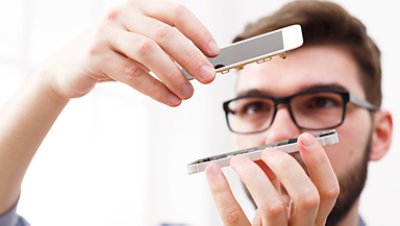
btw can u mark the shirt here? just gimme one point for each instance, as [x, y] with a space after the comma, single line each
[11, 218]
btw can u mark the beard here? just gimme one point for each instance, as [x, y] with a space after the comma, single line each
[351, 185]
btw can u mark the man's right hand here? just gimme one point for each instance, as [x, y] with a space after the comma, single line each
[132, 40]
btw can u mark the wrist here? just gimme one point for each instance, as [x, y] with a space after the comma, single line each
[46, 84]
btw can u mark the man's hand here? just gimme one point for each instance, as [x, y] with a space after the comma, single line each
[132, 40]
[285, 193]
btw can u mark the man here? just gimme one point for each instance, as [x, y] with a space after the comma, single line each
[320, 76]
[333, 81]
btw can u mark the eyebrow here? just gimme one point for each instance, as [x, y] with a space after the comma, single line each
[322, 87]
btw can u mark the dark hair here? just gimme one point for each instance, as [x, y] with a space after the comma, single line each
[325, 22]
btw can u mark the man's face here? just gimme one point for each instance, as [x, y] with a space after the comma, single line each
[304, 68]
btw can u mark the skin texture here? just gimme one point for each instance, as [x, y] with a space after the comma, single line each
[312, 178]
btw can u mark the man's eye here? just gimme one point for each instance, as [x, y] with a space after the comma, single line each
[322, 102]
[254, 108]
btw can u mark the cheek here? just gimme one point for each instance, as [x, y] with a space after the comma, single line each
[343, 154]
[353, 138]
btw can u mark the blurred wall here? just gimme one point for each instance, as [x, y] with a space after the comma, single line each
[115, 157]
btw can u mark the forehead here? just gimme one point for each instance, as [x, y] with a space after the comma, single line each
[304, 67]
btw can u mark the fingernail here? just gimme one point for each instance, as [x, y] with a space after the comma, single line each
[187, 90]
[307, 140]
[174, 100]
[206, 72]
[213, 47]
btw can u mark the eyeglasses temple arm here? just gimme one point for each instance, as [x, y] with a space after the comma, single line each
[363, 103]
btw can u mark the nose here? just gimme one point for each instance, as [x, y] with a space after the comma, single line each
[282, 127]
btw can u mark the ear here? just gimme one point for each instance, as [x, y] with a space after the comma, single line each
[381, 135]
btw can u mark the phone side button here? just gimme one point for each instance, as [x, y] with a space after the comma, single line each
[225, 71]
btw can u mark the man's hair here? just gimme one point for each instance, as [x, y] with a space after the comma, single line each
[325, 22]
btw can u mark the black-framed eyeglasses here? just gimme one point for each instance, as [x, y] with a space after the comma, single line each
[314, 109]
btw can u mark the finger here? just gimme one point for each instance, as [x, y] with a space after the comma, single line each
[180, 17]
[174, 43]
[297, 184]
[150, 54]
[321, 173]
[131, 73]
[271, 176]
[267, 199]
[229, 209]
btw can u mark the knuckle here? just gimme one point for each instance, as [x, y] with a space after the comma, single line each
[201, 32]
[147, 47]
[174, 75]
[180, 10]
[132, 72]
[232, 216]
[274, 209]
[153, 89]
[309, 200]
[99, 41]
[94, 50]
[192, 57]
[165, 32]
[114, 14]
[331, 193]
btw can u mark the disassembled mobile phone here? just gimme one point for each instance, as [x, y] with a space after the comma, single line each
[289, 146]
[257, 49]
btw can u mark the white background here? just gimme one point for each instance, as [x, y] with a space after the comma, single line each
[115, 157]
